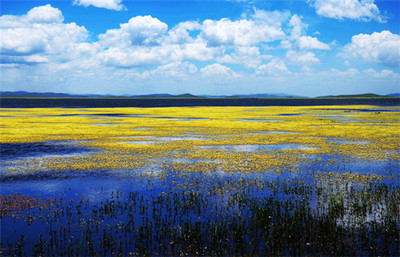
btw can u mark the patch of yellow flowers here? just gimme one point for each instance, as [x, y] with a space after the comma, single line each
[202, 139]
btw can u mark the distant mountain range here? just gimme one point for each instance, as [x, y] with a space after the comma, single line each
[365, 95]
[394, 95]
[278, 95]
[45, 94]
[64, 95]
[187, 95]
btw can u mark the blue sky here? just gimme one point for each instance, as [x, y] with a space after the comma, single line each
[308, 48]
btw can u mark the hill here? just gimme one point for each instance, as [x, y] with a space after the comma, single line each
[278, 95]
[25, 94]
[45, 94]
[366, 95]
[393, 95]
[162, 95]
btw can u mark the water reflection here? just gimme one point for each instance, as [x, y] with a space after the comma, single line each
[254, 148]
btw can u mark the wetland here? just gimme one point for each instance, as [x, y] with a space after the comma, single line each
[276, 180]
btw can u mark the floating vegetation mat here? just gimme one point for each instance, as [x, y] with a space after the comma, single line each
[321, 180]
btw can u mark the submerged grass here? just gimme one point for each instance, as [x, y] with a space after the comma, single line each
[320, 180]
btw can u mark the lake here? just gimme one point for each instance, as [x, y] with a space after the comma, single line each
[270, 180]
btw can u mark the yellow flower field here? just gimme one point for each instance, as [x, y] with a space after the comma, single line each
[201, 139]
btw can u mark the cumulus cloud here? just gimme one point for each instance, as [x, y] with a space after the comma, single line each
[382, 74]
[117, 57]
[302, 58]
[219, 71]
[352, 9]
[249, 56]
[136, 56]
[145, 40]
[38, 36]
[297, 26]
[299, 44]
[297, 38]
[180, 33]
[108, 4]
[348, 74]
[379, 47]
[262, 27]
[307, 42]
[140, 30]
[44, 14]
[175, 70]
[275, 67]
[40, 47]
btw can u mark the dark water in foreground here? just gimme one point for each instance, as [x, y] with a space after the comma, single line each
[169, 212]
[222, 216]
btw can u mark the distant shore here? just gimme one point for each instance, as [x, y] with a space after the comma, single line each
[14, 102]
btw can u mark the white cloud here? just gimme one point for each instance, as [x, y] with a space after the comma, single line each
[273, 18]
[36, 59]
[381, 48]
[381, 74]
[306, 69]
[176, 70]
[298, 27]
[197, 51]
[262, 27]
[219, 71]
[352, 9]
[180, 33]
[130, 57]
[297, 38]
[145, 40]
[39, 36]
[349, 74]
[136, 56]
[108, 4]
[307, 42]
[140, 30]
[44, 14]
[302, 58]
[275, 68]
[142, 41]
[249, 56]
[40, 51]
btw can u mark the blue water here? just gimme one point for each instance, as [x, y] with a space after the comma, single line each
[146, 197]
[265, 120]
[19, 150]
[255, 148]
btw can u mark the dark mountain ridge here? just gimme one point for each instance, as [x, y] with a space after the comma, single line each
[25, 94]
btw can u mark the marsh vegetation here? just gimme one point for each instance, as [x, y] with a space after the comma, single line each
[320, 180]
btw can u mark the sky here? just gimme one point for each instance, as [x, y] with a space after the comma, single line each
[215, 47]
